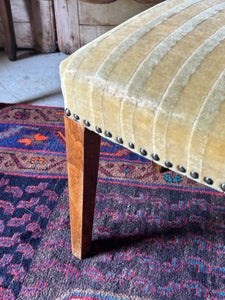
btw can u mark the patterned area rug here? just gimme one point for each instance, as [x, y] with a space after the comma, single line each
[33, 176]
[155, 236]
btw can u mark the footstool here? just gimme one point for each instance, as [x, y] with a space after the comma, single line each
[156, 85]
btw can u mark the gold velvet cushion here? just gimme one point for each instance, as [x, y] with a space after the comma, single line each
[156, 84]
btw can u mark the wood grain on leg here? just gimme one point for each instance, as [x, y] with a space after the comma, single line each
[83, 148]
[7, 22]
[157, 168]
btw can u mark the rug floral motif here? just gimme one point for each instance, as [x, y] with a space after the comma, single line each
[33, 176]
[155, 236]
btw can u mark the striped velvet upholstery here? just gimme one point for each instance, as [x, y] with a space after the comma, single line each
[158, 81]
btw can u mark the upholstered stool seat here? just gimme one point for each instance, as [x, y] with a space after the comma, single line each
[156, 85]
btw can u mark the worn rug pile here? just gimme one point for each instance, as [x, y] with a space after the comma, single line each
[155, 236]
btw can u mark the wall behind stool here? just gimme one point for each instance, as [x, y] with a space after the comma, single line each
[78, 22]
[67, 24]
[34, 25]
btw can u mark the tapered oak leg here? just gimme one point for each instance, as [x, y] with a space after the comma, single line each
[83, 148]
[157, 168]
[7, 22]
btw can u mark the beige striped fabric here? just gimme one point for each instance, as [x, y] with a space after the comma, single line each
[157, 84]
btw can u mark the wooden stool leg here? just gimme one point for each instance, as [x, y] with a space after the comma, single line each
[157, 168]
[7, 22]
[83, 148]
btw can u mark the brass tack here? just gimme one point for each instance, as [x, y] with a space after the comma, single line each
[131, 145]
[181, 169]
[67, 112]
[76, 117]
[98, 129]
[208, 180]
[223, 186]
[143, 152]
[87, 123]
[155, 156]
[194, 175]
[119, 140]
[168, 164]
[108, 134]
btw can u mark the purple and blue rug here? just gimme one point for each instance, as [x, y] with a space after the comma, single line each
[155, 236]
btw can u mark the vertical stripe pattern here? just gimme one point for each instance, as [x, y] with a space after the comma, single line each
[157, 81]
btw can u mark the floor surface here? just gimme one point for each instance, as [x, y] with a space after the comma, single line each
[31, 79]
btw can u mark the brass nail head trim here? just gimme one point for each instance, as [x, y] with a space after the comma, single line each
[223, 187]
[168, 164]
[119, 140]
[108, 134]
[98, 129]
[194, 175]
[208, 180]
[131, 145]
[87, 123]
[155, 156]
[143, 152]
[181, 168]
[76, 117]
[67, 112]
